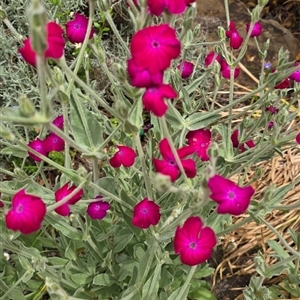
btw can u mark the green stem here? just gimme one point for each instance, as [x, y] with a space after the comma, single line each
[116, 32]
[82, 51]
[234, 227]
[144, 167]
[186, 283]
[88, 89]
[105, 193]
[41, 69]
[167, 134]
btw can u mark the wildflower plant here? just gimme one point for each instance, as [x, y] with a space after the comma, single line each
[136, 218]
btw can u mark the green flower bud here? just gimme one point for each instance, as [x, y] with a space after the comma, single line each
[38, 20]
[162, 182]
[26, 107]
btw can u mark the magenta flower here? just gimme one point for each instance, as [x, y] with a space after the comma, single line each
[98, 210]
[168, 165]
[272, 110]
[27, 213]
[76, 29]
[125, 156]
[154, 99]
[39, 147]
[225, 70]
[54, 143]
[186, 70]
[295, 75]
[212, 57]
[55, 49]
[62, 193]
[237, 144]
[271, 124]
[59, 122]
[193, 242]
[298, 138]
[200, 140]
[154, 47]
[283, 84]
[235, 40]
[256, 31]
[157, 7]
[140, 77]
[146, 213]
[231, 198]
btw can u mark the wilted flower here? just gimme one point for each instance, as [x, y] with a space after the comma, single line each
[39, 146]
[225, 70]
[283, 84]
[256, 30]
[62, 193]
[235, 40]
[231, 198]
[98, 210]
[186, 69]
[27, 213]
[141, 77]
[270, 125]
[154, 47]
[125, 156]
[154, 99]
[168, 165]
[200, 140]
[193, 242]
[211, 57]
[237, 144]
[272, 110]
[55, 49]
[146, 213]
[77, 28]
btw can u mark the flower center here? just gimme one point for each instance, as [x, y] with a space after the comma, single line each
[193, 245]
[77, 26]
[172, 163]
[144, 211]
[155, 44]
[231, 195]
[19, 209]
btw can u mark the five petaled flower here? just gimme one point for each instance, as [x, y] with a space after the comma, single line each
[231, 198]
[154, 99]
[62, 193]
[168, 165]
[154, 47]
[146, 213]
[26, 214]
[55, 41]
[193, 242]
[77, 28]
[125, 156]
[98, 210]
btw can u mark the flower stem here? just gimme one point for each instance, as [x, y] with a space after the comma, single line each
[167, 134]
[115, 31]
[144, 167]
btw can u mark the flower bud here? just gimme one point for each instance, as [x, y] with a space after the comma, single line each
[105, 5]
[162, 182]
[26, 107]
[3, 14]
[38, 21]
[122, 109]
